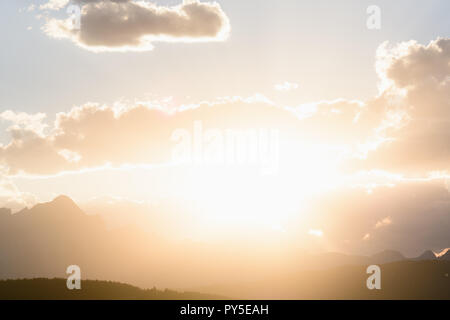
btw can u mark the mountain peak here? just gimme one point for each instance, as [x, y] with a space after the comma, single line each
[387, 256]
[64, 203]
[63, 199]
[60, 206]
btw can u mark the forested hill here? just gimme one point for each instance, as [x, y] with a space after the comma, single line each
[55, 289]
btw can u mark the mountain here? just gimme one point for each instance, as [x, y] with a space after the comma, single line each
[61, 207]
[427, 255]
[332, 259]
[387, 256]
[42, 241]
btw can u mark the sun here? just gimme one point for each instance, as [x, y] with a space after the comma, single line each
[242, 198]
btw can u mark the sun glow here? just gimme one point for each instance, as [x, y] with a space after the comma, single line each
[241, 198]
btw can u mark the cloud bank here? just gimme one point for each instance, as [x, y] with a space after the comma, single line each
[93, 135]
[403, 130]
[416, 83]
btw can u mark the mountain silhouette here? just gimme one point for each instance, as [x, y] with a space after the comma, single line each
[42, 241]
[427, 255]
[45, 239]
[387, 256]
[61, 207]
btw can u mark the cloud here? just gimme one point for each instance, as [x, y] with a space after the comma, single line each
[135, 26]
[54, 5]
[384, 222]
[404, 130]
[93, 135]
[415, 83]
[23, 120]
[12, 198]
[286, 86]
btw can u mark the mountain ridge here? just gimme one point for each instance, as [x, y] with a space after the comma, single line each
[63, 206]
[43, 240]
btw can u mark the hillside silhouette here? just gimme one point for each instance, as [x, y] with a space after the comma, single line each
[55, 289]
[410, 280]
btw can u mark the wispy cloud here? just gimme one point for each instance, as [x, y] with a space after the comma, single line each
[286, 86]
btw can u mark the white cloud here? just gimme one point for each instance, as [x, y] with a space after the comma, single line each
[23, 120]
[286, 86]
[54, 5]
[70, 156]
[384, 222]
[11, 197]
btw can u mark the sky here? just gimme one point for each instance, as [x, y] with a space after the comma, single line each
[349, 113]
[316, 44]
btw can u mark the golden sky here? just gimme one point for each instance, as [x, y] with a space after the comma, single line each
[285, 158]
